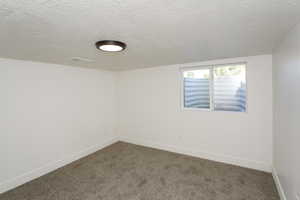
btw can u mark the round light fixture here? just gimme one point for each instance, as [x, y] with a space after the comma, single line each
[110, 45]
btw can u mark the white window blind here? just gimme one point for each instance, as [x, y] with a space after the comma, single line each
[218, 87]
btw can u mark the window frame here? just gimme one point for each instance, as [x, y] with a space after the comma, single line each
[211, 86]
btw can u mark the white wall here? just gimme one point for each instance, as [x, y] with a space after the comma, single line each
[150, 114]
[286, 62]
[51, 115]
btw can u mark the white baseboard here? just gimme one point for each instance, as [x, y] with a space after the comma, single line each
[278, 184]
[202, 154]
[26, 177]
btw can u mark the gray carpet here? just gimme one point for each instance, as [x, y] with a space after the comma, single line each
[124, 171]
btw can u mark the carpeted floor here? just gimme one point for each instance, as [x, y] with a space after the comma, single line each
[124, 171]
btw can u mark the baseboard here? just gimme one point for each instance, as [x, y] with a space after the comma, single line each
[202, 154]
[278, 185]
[26, 177]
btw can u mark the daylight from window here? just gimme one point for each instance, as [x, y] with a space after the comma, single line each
[219, 88]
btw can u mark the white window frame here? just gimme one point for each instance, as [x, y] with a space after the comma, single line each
[211, 88]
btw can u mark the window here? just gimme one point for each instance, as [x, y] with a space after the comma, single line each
[217, 87]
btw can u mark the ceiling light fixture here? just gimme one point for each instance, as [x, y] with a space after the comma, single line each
[110, 45]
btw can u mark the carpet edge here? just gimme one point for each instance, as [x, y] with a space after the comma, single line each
[205, 155]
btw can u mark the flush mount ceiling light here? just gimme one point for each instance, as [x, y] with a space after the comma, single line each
[110, 45]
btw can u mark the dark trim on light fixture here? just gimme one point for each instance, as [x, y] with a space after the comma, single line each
[103, 43]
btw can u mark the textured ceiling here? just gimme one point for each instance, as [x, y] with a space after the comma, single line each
[156, 32]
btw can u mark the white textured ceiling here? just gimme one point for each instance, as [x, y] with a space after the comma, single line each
[157, 32]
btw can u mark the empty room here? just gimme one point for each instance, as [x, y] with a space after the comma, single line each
[149, 100]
